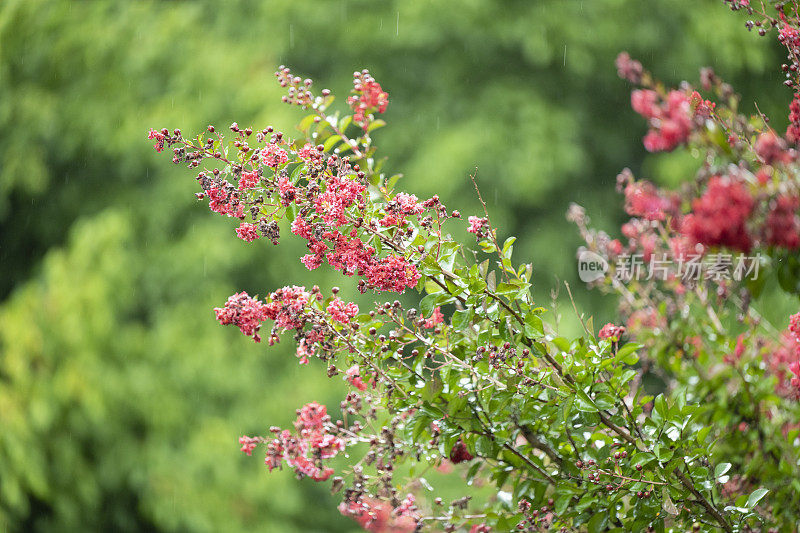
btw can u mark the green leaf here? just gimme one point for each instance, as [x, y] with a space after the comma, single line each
[598, 522]
[584, 402]
[755, 497]
[331, 141]
[721, 469]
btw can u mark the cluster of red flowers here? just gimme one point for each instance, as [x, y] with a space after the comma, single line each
[342, 311]
[400, 207]
[244, 312]
[273, 155]
[477, 225]
[368, 97]
[643, 199]
[305, 450]
[222, 197]
[719, 216]
[793, 129]
[794, 366]
[670, 120]
[379, 517]
[611, 331]
[287, 307]
[159, 136]
[355, 378]
[435, 319]
[782, 223]
[247, 232]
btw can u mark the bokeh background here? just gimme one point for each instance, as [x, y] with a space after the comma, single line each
[121, 400]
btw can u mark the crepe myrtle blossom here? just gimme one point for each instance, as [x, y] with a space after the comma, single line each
[355, 378]
[342, 311]
[305, 449]
[488, 390]
[247, 232]
[611, 331]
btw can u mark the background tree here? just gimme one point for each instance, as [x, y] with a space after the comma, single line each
[118, 401]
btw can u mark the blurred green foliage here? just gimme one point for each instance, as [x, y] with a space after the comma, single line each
[120, 399]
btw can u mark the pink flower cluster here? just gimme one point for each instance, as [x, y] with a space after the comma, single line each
[611, 331]
[223, 200]
[305, 450]
[247, 232]
[379, 517]
[287, 307]
[159, 138]
[477, 225]
[249, 444]
[793, 129]
[352, 256]
[401, 206]
[342, 311]
[368, 97]
[354, 378]
[248, 180]
[273, 155]
[670, 120]
[341, 192]
[435, 319]
[719, 216]
[629, 69]
[772, 149]
[787, 356]
[782, 223]
[643, 199]
[244, 312]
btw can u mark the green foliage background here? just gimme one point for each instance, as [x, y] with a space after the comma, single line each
[120, 399]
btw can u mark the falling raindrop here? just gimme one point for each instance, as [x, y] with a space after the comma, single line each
[398, 24]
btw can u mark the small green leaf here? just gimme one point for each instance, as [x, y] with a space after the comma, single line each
[755, 497]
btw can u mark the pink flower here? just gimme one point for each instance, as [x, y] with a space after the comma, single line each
[642, 199]
[354, 378]
[249, 444]
[273, 155]
[378, 516]
[247, 232]
[307, 152]
[243, 311]
[794, 326]
[782, 223]
[374, 96]
[719, 216]
[476, 225]
[645, 102]
[737, 352]
[435, 319]
[304, 351]
[670, 120]
[628, 69]
[248, 180]
[393, 273]
[224, 202]
[287, 307]
[159, 137]
[305, 450]
[794, 368]
[312, 416]
[341, 311]
[286, 190]
[771, 148]
[610, 331]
